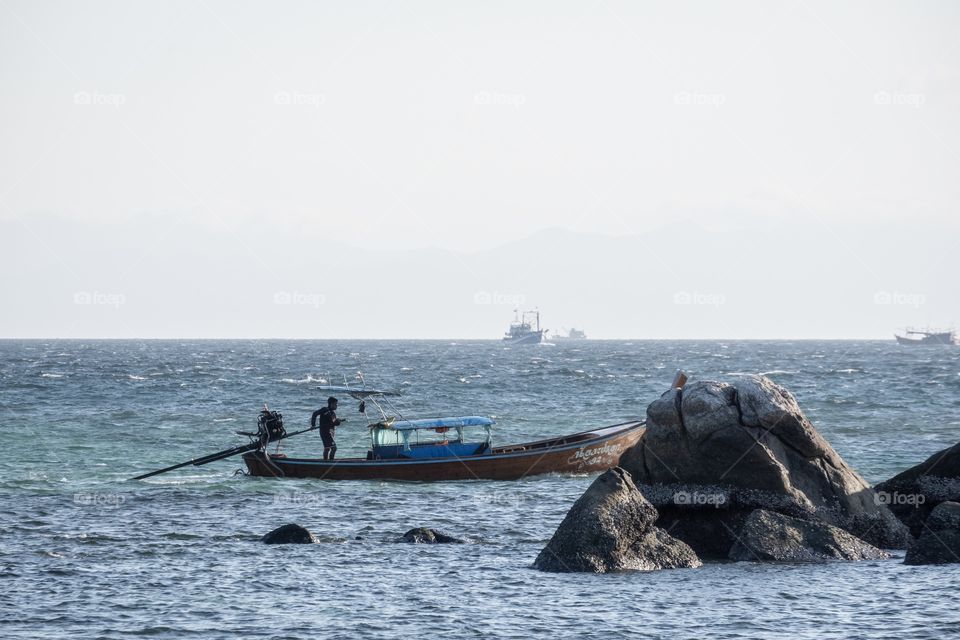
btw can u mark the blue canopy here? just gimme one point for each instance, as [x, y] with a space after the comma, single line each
[434, 423]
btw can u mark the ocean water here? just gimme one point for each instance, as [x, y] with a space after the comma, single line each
[85, 552]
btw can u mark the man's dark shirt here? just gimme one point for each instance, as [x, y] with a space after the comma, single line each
[328, 419]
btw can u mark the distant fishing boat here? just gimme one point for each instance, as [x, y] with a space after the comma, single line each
[927, 337]
[572, 334]
[522, 331]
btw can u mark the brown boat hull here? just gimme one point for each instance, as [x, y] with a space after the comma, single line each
[586, 452]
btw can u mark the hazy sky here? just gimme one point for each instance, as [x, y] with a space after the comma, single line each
[417, 169]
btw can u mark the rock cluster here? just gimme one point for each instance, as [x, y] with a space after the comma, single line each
[714, 452]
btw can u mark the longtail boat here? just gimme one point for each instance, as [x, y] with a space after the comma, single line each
[430, 449]
[439, 449]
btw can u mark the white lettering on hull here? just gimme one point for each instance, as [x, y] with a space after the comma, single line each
[606, 455]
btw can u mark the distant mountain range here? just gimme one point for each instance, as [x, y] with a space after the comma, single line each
[759, 278]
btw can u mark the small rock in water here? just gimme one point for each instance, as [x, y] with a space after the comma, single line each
[940, 541]
[289, 534]
[767, 536]
[422, 535]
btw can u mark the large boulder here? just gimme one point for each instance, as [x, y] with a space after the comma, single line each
[422, 535]
[289, 534]
[913, 494]
[714, 452]
[611, 528]
[940, 541]
[767, 536]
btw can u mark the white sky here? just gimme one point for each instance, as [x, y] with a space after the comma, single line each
[184, 154]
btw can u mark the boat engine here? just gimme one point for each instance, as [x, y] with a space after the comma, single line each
[270, 426]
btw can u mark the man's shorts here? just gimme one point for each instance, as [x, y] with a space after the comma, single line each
[327, 436]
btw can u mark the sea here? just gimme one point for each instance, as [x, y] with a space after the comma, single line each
[85, 552]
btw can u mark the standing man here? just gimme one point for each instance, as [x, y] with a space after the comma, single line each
[328, 426]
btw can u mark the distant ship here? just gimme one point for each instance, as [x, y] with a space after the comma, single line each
[572, 334]
[522, 332]
[927, 337]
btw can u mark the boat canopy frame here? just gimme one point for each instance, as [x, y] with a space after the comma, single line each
[406, 431]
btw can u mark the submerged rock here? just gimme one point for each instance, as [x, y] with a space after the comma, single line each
[773, 537]
[422, 535]
[913, 494]
[940, 541]
[289, 534]
[611, 528]
[714, 452]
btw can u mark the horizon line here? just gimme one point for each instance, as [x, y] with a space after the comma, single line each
[444, 339]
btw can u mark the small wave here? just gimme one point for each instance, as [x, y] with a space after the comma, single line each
[224, 419]
[306, 380]
[781, 372]
[51, 375]
[133, 377]
[846, 370]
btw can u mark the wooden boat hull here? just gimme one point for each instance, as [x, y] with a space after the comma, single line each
[585, 452]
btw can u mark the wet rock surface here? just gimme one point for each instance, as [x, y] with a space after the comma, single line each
[913, 494]
[611, 528]
[940, 541]
[714, 452]
[289, 534]
[767, 536]
[423, 535]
